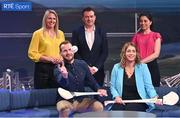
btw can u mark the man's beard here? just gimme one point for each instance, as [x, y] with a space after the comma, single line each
[68, 60]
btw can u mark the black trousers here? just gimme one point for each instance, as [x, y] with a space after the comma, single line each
[129, 107]
[43, 76]
[99, 76]
[155, 73]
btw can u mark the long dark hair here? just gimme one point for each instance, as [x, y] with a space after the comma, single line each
[149, 16]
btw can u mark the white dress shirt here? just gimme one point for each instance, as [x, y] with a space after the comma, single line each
[89, 37]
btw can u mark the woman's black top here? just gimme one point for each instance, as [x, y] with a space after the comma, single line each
[129, 88]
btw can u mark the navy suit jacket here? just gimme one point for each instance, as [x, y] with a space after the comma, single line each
[99, 52]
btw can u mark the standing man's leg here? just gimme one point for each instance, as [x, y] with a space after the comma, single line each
[99, 76]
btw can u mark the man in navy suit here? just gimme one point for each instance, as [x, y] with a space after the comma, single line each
[92, 44]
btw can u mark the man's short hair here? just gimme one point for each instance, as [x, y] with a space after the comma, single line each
[63, 43]
[88, 9]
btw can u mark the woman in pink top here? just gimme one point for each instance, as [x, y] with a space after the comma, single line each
[149, 45]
